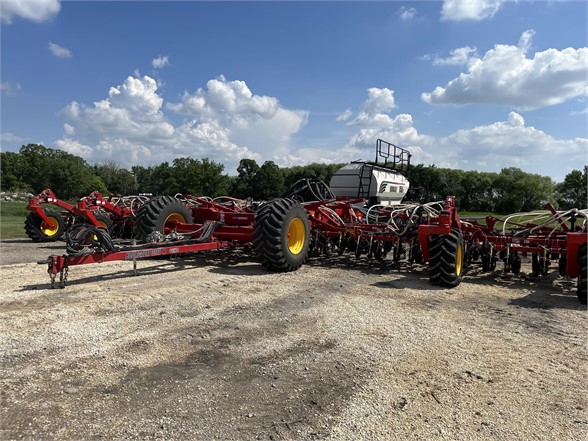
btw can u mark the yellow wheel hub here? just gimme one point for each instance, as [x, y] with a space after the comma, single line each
[49, 228]
[458, 260]
[100, 224]
[177, 217]
[296, 236]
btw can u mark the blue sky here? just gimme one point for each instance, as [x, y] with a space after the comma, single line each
[470, 84]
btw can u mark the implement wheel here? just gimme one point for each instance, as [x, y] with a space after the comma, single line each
[583, 276]
[40, 231]
[104, 222]
[446, 261]
[159, 214]
[281, 235]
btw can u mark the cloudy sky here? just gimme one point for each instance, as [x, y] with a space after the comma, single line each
[470, 84]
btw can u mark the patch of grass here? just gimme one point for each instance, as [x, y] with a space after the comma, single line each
[477, 214]
[12, 217]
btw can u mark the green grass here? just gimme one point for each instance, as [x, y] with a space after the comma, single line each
[477, 214]
[12, 217]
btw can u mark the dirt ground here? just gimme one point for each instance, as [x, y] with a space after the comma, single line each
[214, 347]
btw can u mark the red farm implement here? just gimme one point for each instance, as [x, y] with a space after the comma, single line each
[45, 224]
[317, 220]
[450, 244]
[116, 214]
[166, 226]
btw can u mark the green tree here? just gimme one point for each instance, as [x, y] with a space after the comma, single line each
[572, 192]
[163, 180]
[142, 176]
[117, 179]
[243, 185]
[269, 182]
[69, 176]
[426, 184]
[187, 178]
[212, 182]
[35, 166]
[97, 184]
[11, 176]
[517, 191]
[478, 191]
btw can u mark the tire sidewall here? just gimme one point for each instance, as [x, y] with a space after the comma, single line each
[296, 212]
[168, 210]
[33, 224]
[459, 251]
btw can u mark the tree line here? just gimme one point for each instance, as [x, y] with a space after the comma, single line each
[36, 167]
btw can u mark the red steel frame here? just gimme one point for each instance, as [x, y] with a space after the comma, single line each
[85, 207]
[48, 197]
[544, 241]
[233, 226]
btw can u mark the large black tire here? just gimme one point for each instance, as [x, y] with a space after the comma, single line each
[583, 276]
[281, 235]
[40, 231]
[154, 215]
[446, 259]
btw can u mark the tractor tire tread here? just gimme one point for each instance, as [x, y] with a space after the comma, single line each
[33, 226]
[268, 235]
[443, 259]
[151, 215]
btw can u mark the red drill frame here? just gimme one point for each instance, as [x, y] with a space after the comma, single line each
[230, 223]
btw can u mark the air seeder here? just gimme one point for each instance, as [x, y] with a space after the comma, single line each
[361, 213]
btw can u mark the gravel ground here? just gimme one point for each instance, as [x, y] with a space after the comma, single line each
[214, 347]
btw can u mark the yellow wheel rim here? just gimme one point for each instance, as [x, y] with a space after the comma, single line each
[296, 236]
[100, 224]
[174, 217]
[458, 260]
[49, 228]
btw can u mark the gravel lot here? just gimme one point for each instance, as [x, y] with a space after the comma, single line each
[214, 347]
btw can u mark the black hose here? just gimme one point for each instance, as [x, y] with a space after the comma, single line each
[84, 238]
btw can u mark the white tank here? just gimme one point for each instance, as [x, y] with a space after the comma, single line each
[362, 180]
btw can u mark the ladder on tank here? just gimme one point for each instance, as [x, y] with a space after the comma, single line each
[365, 181]
[388, 156]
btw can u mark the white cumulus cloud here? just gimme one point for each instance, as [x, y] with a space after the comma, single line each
[406, 13]
[457, 57]
[225, 123]
[59, 51]
[344, 116]
[10, 138]
[505, 75]
[495, 143]
[486, 147]
[34, 10]
[160, 62]
[257, 121]
[226, 99]
[476, 10]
